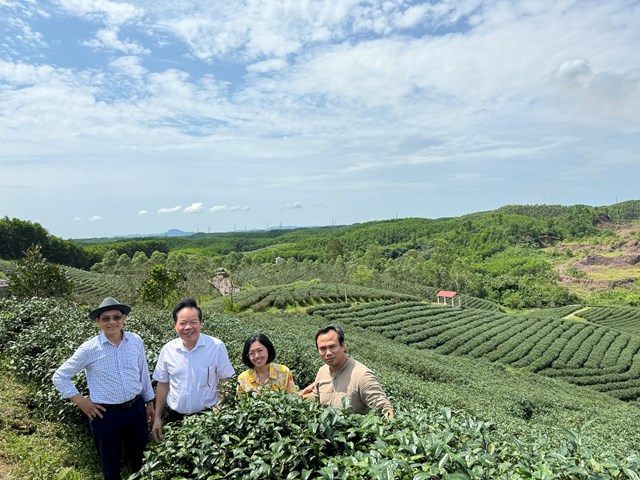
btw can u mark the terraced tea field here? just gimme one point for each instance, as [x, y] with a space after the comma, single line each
[98, 285]
[601, 357]
[625, 319]
[302, 294]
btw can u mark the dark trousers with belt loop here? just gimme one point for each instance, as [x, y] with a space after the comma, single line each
[121, 426]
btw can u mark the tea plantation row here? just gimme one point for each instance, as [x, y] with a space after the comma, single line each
[625, 319]
[604, 359]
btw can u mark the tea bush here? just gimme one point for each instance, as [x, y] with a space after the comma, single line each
[279, 436]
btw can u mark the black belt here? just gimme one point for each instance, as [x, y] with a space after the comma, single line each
[128, 404]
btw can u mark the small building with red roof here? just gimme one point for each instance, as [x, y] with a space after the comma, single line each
[447, 297]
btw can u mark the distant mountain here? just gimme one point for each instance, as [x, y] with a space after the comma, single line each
[174, 232]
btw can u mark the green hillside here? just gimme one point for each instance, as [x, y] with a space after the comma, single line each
[93, 285]
[305, 294]
[582, 353]
[517, 256]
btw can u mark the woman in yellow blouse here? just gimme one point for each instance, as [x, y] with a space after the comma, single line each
[258, 354]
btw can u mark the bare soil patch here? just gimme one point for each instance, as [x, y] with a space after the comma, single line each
[595, 260]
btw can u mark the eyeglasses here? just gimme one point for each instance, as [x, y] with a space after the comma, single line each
[255, 353]
[107, 319]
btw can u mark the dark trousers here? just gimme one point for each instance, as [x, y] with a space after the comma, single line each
[120, 426]
[173, 416]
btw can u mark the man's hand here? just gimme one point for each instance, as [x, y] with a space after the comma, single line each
[156, 430]
[90, 409]
[307, 391]
[151, 412]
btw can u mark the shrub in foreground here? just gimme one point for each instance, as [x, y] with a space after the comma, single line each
[282, 437]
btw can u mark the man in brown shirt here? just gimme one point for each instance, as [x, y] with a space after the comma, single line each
[342, 376]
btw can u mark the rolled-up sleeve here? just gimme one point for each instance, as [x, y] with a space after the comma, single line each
[372, 393]
[225, 369]
[145, 379]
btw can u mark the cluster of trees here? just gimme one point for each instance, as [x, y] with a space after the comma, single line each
[99, 247]
[493, 256]
[160, 277]
[35, 277]
[17, 236]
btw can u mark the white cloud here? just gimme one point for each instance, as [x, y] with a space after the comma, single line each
[113, 13]
[23, 33]
[194, 208]
[218, 208]
[143, 212]
[95, 218]
[267, 66]
[23, 73]
[77, 219]
[170, 210]
[240, 208]
[291, 205]
[129, 66]
[108, 38]
[259, 29]
[576, 71]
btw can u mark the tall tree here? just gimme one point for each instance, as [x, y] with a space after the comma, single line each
[35, 277]
[162, 287]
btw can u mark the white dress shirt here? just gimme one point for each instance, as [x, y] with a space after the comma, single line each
[193, 376]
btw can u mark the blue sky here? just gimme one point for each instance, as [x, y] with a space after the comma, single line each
[140, 116]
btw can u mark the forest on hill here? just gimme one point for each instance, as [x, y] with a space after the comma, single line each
[518, 256]
[512, 256]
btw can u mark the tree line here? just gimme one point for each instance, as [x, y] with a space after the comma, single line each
[17, 236]
[498, 255]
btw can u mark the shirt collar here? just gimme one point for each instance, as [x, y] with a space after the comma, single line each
[253, 376]
[199, 343]
[102, 338]
[344, 365]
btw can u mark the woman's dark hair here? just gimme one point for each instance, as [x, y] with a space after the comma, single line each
[262, 338]
[186, 303]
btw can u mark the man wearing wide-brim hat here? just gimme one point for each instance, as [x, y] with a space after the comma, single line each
[120, 401]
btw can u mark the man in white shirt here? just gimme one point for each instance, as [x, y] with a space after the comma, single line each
[189, 369]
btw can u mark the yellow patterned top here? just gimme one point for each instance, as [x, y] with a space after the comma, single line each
[280, 379]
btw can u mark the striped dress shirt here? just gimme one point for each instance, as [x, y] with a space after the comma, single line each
[115, 373]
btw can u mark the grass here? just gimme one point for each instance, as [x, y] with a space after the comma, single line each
[603, 272]
[32, 448]
[6, 267]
